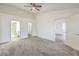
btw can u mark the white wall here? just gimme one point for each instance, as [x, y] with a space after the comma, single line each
[0, 28]
[45, 26]
[5, 28]
[34, 27]
[72, 24]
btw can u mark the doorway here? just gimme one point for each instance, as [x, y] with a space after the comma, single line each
[15, 30]
[30, 29]
[60, 30]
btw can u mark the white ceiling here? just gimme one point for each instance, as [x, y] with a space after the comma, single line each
[45, 6]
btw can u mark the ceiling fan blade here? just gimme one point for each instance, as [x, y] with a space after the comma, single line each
[39, 6]
[37, 9]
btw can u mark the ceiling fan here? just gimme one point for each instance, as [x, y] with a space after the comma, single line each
[34, 6]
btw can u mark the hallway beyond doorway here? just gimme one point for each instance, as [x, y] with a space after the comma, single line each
[15, 30]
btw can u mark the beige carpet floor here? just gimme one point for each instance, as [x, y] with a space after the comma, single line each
[34, 47]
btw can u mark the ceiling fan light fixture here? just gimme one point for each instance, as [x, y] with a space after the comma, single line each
[33, 8]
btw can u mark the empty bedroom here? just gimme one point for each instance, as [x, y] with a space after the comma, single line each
[39, 29]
